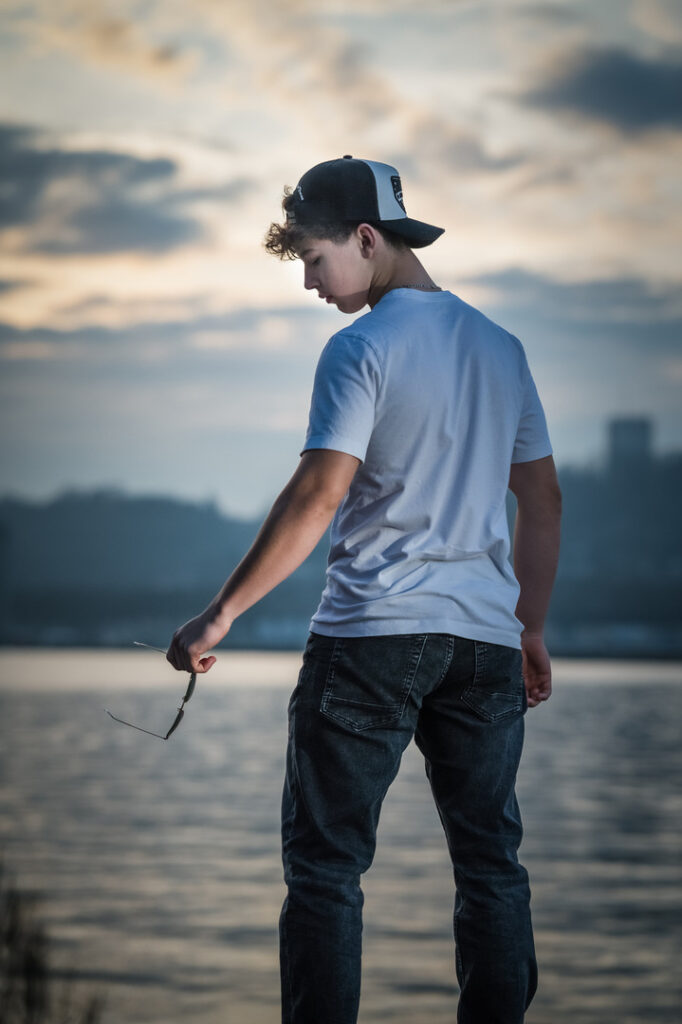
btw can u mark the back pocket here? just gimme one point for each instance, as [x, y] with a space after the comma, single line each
[370, 679]
[497, 690]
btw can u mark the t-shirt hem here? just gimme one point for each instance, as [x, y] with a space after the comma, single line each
[392, 627]
[540, 451]
[339, 444]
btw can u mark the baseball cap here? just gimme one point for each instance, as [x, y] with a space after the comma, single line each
[350, 189]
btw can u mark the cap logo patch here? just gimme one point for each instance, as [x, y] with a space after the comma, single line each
[398, 191]
[300, 192]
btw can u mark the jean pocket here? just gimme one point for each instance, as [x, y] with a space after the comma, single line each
[370, 679]
[317, 657]
[319, 647]
[497, 690]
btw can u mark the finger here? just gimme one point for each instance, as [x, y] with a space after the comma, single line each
[204, 664]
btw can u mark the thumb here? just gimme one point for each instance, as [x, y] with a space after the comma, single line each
[206, 663]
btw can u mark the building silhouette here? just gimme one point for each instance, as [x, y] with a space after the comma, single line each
[629, 443]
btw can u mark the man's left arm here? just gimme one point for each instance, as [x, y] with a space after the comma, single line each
[298, 519]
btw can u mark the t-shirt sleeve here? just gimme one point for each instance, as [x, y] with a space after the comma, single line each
[532, 437]
[342, 408]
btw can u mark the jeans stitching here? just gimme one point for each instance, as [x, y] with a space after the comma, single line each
[328, 683]
[481, 650]
[447, 662]
[416, 657]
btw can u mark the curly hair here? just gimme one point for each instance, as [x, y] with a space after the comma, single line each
[285, 240]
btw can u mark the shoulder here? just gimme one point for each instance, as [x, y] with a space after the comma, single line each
[349, 357]
[494, 337]
[477, 317]
[358, 342]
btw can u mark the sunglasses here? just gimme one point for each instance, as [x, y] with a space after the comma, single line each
[181, 709]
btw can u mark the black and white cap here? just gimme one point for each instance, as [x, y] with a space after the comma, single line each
[349, 189]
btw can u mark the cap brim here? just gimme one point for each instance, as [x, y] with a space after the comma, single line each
[416, 232]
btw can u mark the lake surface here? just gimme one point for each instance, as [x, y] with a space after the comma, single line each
[159, 870]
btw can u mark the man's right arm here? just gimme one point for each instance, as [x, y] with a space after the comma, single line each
[537, 533]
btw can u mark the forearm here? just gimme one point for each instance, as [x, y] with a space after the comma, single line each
[295, 524]
[536, 555]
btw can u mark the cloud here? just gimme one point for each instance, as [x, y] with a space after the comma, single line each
[434, 138]
[660, 19]
[552, 14]
[614, 86]
[95, 200]
[12, 284]
[596, 348]
[629, 309]
[248, 330]
[89, 29]
[313, 61]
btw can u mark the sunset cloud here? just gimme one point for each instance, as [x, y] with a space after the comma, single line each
[630, 92]
[106, 36]
[95, 201]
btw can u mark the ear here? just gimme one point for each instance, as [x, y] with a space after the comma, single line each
[367, 239]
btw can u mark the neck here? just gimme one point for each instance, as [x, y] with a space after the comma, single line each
[403, 270]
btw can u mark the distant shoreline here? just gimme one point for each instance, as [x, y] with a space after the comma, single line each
[556, 651]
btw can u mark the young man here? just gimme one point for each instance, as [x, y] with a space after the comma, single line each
[423, 414]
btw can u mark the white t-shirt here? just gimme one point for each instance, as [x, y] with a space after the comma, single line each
[437, 401]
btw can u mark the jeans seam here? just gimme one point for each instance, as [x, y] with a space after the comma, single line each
[459, 964]
[447, 662]
[480, 651]
[295, 785]
[411, 673]
[335, 655]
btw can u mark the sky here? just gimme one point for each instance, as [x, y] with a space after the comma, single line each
[147, 340]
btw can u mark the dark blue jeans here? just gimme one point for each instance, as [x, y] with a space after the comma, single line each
[358, 703]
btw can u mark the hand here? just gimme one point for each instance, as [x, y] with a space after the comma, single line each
[191, 641]
[537, 670]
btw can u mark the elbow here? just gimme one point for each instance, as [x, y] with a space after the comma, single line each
[328, 500]
[323, 480]
[312, 500]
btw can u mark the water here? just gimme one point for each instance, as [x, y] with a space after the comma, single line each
[158, 863]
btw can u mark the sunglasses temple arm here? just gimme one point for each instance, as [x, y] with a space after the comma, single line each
[150, 647]
[139, 728]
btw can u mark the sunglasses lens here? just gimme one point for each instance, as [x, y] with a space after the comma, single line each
[190, 687]
[176, 723]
